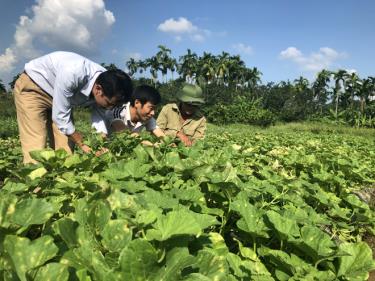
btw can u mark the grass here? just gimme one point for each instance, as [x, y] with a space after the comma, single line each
[298, 127]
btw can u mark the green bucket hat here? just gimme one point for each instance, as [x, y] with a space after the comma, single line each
[191, 94]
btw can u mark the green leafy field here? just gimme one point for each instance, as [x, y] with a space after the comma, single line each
[285, 203]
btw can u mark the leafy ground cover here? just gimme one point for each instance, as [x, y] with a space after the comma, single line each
[245, 204]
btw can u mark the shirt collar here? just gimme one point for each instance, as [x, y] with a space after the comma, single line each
[87, 89]
[127, 116]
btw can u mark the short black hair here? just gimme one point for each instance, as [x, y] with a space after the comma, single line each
[116, 83]
[144, 94]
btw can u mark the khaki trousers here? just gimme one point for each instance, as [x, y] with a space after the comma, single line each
[34, 117]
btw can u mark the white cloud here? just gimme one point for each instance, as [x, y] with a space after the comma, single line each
[243, 49]
[74, 25]
[314, 62]
[182, 25]
[7, 60]
[183, 28]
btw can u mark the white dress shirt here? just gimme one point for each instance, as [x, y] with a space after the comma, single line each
[69, 79]
[122, 113]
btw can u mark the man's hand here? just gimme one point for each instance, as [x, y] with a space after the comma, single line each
[85, 148]
[184, 138]
[77, 138]
[101, 152]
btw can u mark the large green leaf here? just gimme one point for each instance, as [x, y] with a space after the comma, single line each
[34, 211]
[116, 235]
[252, 218]
[211, 265]
[99, 214]
[124, 169]
[357, 264]
[286, 228]
[138, 261]
[87, 257]
[315, 243]
[37, 173]
[26, 254]
[180, 222]
[248, 268]
[52, 272]
[15, 187]
[66, 228]
[177, 260]
[7, 209]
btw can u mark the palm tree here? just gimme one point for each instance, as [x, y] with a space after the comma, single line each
[132, 65]
[237, 71]
[253, 77]
[164, 60]
[142, 65]
[154, 66]
[172, 65]
[188, 66]
[338, 76]
[365, 91]
[301, 84]
[319, 87]
[222, 69]
[352, 83]
[207, 67]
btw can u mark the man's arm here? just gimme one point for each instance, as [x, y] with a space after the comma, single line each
[158, 132]
[184, 138]
[77, 138]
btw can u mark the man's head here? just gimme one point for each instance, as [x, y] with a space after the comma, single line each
[112, 87]
[144, 100]
[190, 98]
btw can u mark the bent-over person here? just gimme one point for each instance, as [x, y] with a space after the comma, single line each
[49, 88]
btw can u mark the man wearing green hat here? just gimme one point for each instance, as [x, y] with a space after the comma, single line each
[184, 120]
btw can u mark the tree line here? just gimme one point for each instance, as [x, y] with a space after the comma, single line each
[231, 87]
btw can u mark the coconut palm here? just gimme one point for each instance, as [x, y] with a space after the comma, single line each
[366, 90]
[164, 60]
[132, 66]
[352, 85]
[172, 65]
[188, 66]
[207, 65]
[320, 88]
[301, 84]
[154, 66]
[237, 71]
[253, 77]
[339, 77]
[222, 69]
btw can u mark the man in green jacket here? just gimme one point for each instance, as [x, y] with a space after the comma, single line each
[184, 120]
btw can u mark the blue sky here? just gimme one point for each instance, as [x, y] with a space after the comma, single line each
[284, 39]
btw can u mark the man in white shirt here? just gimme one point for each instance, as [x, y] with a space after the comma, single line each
[138, 113]
[51, 86]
